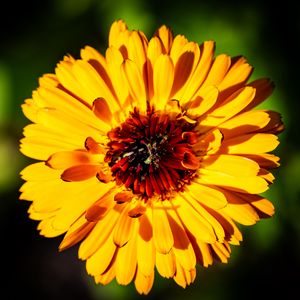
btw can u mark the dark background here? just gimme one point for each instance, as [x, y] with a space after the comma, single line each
[35, 35]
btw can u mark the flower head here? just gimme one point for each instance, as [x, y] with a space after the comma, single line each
[149, 155]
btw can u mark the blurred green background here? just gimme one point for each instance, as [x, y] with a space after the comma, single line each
[35, 35]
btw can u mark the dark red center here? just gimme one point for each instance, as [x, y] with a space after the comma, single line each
[152, 154]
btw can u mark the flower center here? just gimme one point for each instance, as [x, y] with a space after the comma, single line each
[152, 154]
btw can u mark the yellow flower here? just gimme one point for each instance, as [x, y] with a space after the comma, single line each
[149, 155]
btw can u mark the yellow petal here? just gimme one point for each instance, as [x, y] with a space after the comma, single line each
[237, 74]
[184, 277]
[66, 159]
[232, 105]
[114, 60]
[106, 277]
[263, 206]
[193, 221]
[116, 29]
[57, 121]
[100, 260]
[218, 70]
[166, 264]
[206, 254]
[39, 172]
[135, 83]
[163, 75]
[145, 247]
[184, 68]
[143, 284]
[239, 210]
[126, 271]
[88, 53]
[65, 103]
[264, 88]
[207, 195]
[100, 233]
[182, 248]
[137, 45]
[244, 123]
[204, 100]
[255, 143]
[155, 49]
[178, 44]
[95, 83]
[162, 233]
[206, 218]
[78, 231]
[221, 251]
[230, 164]
[250, 184]
[265, 160]
[78, 197]
[232, 233]
[165, 35]
[66, 77]
[201, 70]
[48, 81]
[124, 228]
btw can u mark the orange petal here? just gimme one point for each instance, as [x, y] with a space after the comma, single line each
[79, 173]
[93, 147]
[209, 143]
[99, 209]
[102, 110]
[190, 161]
[123, 197]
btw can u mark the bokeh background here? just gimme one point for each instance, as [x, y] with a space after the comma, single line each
[35, 35]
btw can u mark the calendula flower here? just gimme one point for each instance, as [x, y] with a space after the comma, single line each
[149, 156]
